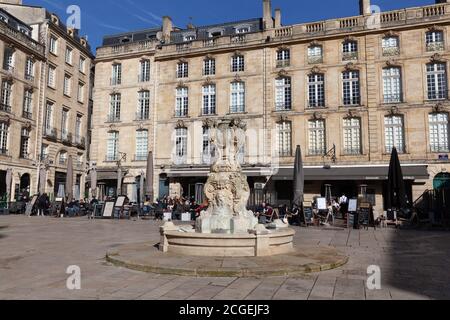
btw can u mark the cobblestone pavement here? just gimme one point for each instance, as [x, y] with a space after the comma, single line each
[35, 253]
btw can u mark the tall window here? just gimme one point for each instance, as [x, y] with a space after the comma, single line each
[434, 40]
[180, 145]
[141, 145]
[207, 146]
[53, 47]
[182, 70]
[80, 94]
[114, 111]
[64, 124]
[62, 158]
[317, 144]
[352, 136]
[351, 89]
[437, 81]
[69, 55]
[4, 128]
[112, 151]
[316, 88]
[394, 133]
[237, 63]
[8, 59]
[391, 46]
[143, 112]
[350, 50]
[49, 118]
[283, 58]
[78, 125]
[44, 152]
[182, 102]
[439, 132]
[6, 96]
[315, 54]
[284, 131]
[51, 81]
[67, 85]
[82, 66]
[29, 69]
[209, 99]
[283, 96]
[116, 77]
[209, 67]
[237, 97]
[28, 104]
[24, 143]
[144, 75]
[392, 85]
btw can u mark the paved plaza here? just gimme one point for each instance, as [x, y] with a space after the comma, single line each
[35, 253]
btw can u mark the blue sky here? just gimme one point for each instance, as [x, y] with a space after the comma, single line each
[102, 17]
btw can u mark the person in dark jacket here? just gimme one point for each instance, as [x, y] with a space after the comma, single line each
[43, 203]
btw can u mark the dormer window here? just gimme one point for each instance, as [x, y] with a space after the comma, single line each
[3, 18]
[125, 40]
[241, 30]
[189, 37]
[215, 34]
[23, 30]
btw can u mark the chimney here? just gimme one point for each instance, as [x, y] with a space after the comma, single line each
[167, 28]
[267, 14]
[364, 7]
[277, 18]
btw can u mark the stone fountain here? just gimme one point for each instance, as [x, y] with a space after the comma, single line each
[227, 228]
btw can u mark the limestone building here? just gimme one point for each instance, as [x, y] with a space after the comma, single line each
[346, 90]
[61, 109]
[22, 61]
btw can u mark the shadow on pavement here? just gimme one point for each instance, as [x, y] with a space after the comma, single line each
[419, 263]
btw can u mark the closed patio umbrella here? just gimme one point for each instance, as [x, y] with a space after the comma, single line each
[8, 182]
[42, 180]
[141, 189]
[149, 183]
[93, 174]
[119, 181]
[69, 180]
[396, 191]
[299, 179]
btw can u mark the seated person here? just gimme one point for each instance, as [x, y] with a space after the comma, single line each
[267, 214]
[73, 208]
[294, 217]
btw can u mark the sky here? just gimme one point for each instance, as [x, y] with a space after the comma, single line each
[106, 17]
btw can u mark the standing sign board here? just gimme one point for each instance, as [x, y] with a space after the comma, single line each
[353, 205]
[366, 215]
[322, 204]
[308, 214]
[119, 207]
[108, 209]
[30, 205]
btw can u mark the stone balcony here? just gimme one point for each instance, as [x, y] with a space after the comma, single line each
[383, 20]
[127, 49]
[22, 39]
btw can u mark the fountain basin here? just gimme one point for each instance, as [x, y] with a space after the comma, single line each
[254, 244]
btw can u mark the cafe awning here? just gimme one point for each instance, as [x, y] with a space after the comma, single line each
[410, 172]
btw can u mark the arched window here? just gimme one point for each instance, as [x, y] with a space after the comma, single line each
[392, 85]
[316, 90]
[284, 132]
[237, 97]
[4, 130]
[141, 145]
[283, 94]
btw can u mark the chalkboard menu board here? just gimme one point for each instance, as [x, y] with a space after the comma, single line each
[351, 220]
[366, 215]
[308, 215]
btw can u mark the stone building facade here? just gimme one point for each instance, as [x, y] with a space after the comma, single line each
[346, 90]
[61, 110]
[22, 61]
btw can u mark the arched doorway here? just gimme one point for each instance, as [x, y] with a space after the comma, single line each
[441, 181]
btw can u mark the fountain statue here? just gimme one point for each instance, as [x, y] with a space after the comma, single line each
[226, 228]
[227, 189]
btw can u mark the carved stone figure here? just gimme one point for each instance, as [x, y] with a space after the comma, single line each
[227, 189]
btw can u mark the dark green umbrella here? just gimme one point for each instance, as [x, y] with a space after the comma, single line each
[299, 179]
[396, 190]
